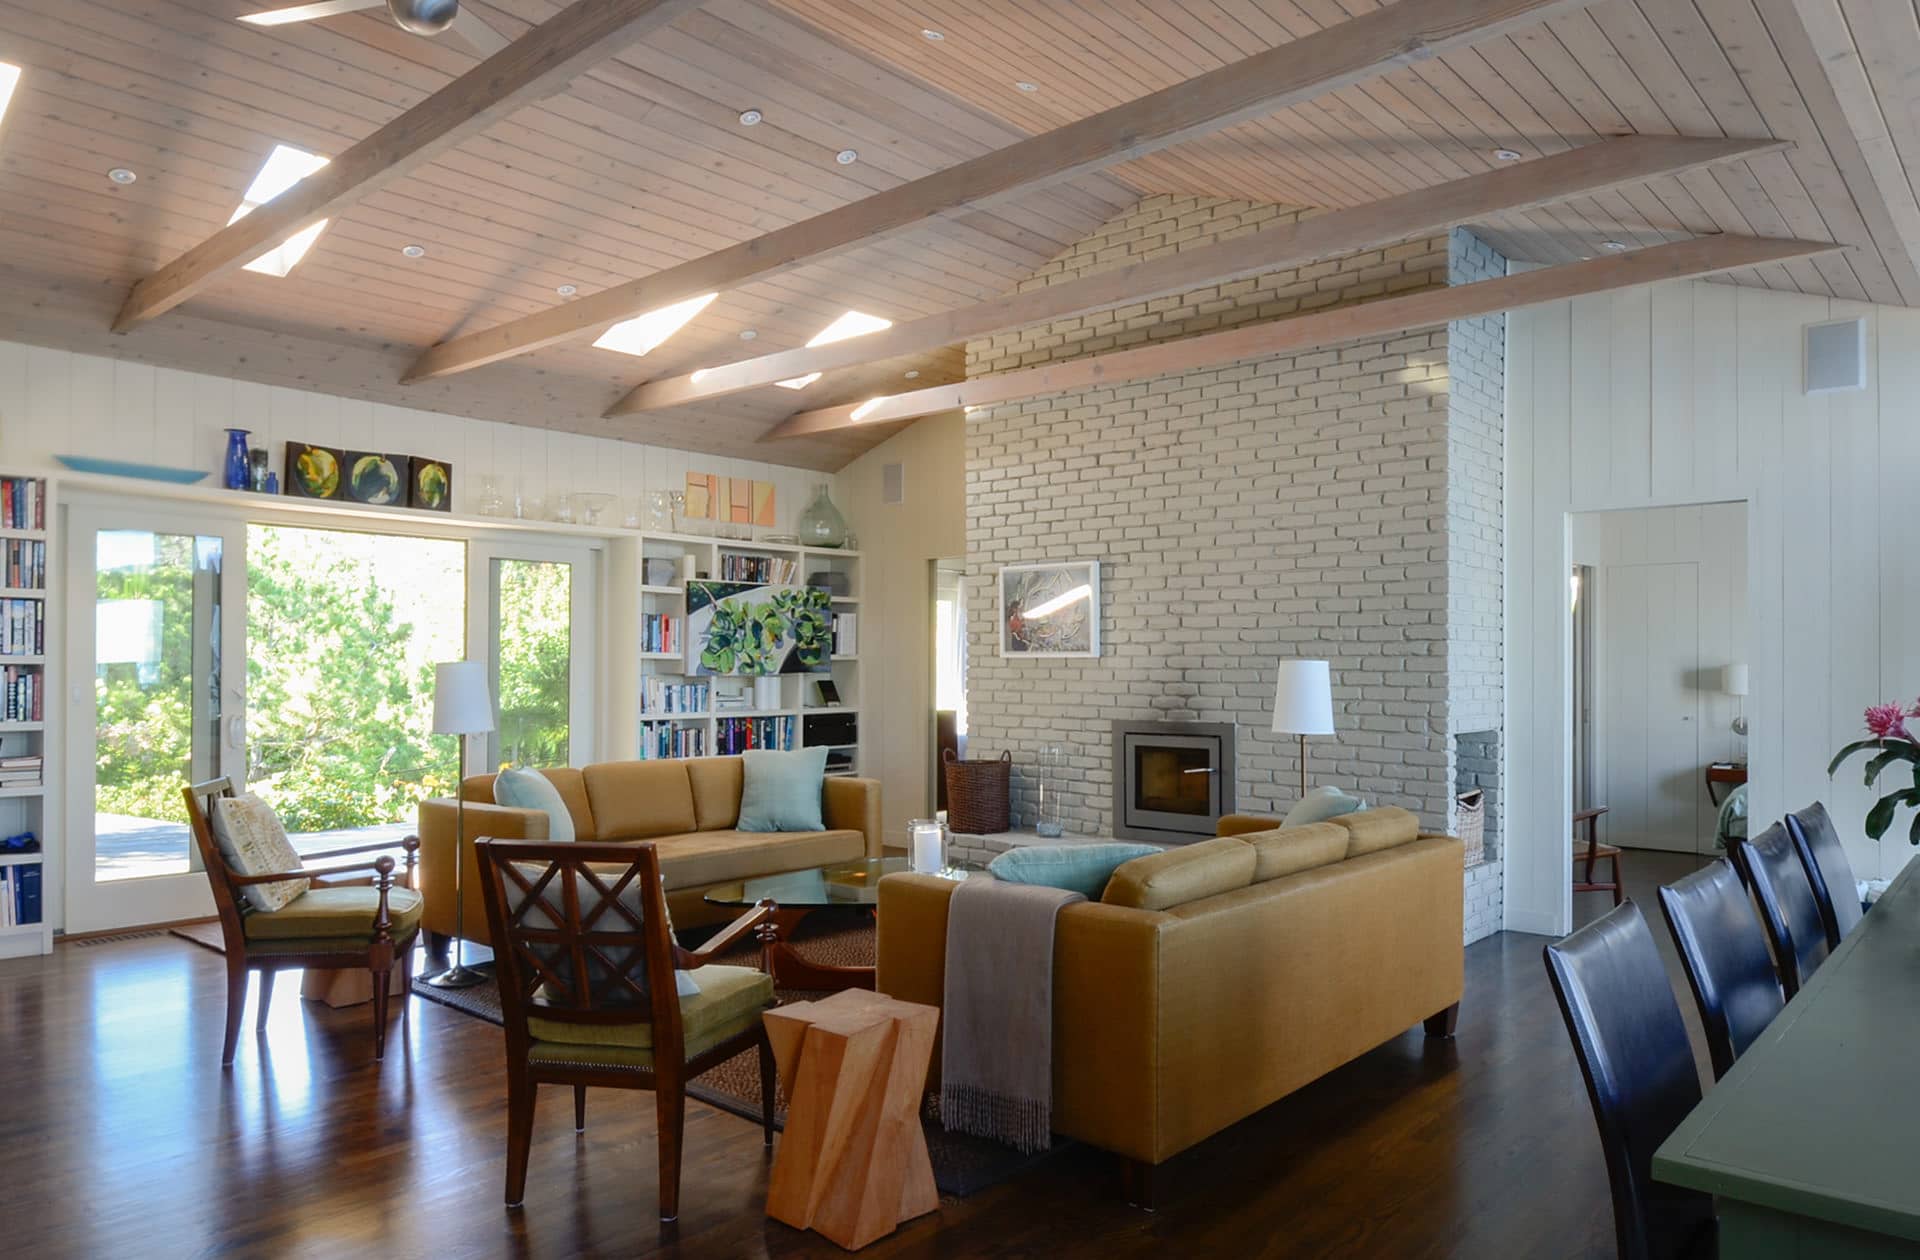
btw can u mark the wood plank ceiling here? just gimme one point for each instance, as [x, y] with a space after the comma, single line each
[645, 163]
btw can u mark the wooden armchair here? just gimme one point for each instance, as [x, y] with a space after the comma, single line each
[585, 959]
[325, 928]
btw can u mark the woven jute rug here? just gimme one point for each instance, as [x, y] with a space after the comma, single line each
[962, 1164]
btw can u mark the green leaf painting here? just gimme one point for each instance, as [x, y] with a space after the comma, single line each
[751, 629]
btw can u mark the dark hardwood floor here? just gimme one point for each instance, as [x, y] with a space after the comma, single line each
[121, 1136]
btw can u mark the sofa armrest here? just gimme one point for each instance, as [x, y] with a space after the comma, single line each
[852, 804]
[1244, 824]
[437, 859]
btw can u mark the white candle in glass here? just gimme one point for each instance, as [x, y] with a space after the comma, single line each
[928, 858]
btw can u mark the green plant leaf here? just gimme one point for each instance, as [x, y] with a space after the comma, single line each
[1848, 751]
[1880, 817]
[1903, 752]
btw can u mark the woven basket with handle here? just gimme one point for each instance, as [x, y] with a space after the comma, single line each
[1470, 820]
[979, 794]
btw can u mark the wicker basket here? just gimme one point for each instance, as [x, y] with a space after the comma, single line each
[1470, 819]
[979, 794]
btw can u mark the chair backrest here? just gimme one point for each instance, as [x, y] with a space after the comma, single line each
[580, 936]
[1633, 1052]
[1723, 949]
[227, 901]
[1770, 866]
[1835, 890]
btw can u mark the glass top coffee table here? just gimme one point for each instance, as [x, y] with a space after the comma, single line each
[781, 902]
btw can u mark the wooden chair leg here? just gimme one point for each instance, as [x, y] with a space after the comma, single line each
[671, 1105]
[382, 979]
[766, 1088]
[236, 1005]
[521, 1095]
[266, 999]
[579, 1108]
[406, 984]
[1619, 881]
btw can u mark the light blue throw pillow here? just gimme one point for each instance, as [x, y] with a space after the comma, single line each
[781, 791]
[529, 789]
[1081, 868]
[1321, 804]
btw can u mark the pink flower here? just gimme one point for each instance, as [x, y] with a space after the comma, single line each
[1887, 721]
[1914, 709]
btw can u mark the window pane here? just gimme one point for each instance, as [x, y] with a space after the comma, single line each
[533, 637]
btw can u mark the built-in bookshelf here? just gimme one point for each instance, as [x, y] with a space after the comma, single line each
[660, 709]
[26, 704]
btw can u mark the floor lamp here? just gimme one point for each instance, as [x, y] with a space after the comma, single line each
[462, 706]
[1303, 705]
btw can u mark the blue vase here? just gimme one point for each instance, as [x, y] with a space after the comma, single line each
[239, 477]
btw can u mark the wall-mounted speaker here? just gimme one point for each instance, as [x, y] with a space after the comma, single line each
[1836, 356]
[893, 483]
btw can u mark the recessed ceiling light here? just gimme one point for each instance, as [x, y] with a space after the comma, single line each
[1613, 247]
[121, 175]
[930, 35]
[284, 167]
[414, 251]
[9, 79]
[914, 375]
[567, 290]
[1506, 155]
[747, 334]
[642, 333]
[847, 157]
[750, 117]
[1025, 86]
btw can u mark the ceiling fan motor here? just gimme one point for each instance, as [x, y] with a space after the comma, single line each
[423, 17]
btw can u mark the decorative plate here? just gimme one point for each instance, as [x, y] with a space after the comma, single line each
[122, 468]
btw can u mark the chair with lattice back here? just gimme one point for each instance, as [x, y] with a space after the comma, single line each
[586, 962]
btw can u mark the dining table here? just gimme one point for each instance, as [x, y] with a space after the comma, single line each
[1810, 1144]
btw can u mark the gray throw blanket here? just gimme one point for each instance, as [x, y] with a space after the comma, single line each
[996, 1062]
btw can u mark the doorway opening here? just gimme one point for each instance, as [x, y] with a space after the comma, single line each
[949, 672]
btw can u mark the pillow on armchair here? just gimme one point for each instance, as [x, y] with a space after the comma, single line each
[253, 842]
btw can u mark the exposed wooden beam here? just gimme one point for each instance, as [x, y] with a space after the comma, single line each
[1339, 56]
[1698, 257]
[539, 64]
[1575, 173]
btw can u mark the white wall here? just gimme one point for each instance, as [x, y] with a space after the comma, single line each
[1690, 392]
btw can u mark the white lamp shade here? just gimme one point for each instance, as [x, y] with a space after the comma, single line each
[462, 704]
[1733, 679]
[1303, 699]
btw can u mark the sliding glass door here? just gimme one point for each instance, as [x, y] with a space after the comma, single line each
[537, 621]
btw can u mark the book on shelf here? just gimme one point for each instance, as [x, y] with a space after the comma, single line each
[659, 632]
[23, 627]
[26, 564]
[658, 696]
[660, 740]
[22, 691]
[846, 639]
[23, 503]
[764, 570]
[737, 735]
[19, 895]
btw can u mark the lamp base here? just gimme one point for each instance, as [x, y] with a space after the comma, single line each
[458, 976]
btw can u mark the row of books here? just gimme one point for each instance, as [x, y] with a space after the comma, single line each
[22, 694]
[19, 895]
[664, 739]
[846, 639]
[659, 696]
[659, 632]
[23, 503]
[737, 735]
[762, 569]
[23, 627]
[22, 771]
[25, 562]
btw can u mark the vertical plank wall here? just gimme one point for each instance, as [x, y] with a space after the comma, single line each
[1690, 392]
[56, 402]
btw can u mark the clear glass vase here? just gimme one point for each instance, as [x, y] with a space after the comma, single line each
[1049, 769]
[821, 525]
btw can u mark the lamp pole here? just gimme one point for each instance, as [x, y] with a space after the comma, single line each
[462, 706]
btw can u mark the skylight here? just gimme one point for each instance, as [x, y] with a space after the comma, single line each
[852, 324]
[9, 78]
[284, 167]
[642, 333]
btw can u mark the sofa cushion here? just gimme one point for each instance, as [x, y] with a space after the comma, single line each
[335, 914]
[1081, 868]
[1321, 804]
[699, 858]
[781, 791]
[729, 1003]
[1178, 876]
[253, 842]
[716, 791]
[1290, 850]
[638, 800]
[1372, 830]
[523, 789]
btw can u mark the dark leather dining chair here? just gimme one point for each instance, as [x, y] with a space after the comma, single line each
[1834, 889]
[1770, 866]
[1633, 1052]
[1723, 950]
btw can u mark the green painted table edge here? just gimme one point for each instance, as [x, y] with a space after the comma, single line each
[1676, 1164]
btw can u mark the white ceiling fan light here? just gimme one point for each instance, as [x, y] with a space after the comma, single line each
[421, 17]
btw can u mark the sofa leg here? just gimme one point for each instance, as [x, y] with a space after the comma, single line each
[1137, 1178]
[1443, 1024]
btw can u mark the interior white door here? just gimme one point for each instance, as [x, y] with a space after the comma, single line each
[532, 613]
[1650, 708]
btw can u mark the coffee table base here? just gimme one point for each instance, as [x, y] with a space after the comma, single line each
[789, 970]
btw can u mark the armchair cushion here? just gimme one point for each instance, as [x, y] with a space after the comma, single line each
[528, 789]
[335, 914]
[729, 1003]
[253, 842]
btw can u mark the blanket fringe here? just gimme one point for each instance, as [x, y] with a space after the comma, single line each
[1026, 1124]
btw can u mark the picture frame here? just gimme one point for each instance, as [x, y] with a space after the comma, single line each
[314, 472]
[375, 479]
[829, 692]
[1066, 596]
[757, 629]
[429, 484]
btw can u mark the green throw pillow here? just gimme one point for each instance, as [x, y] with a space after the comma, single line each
[1081, 868]
[782, 790]
[1321, 804]
[529, 789]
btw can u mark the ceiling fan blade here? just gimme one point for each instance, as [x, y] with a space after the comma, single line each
[473, 31]
[308, 12]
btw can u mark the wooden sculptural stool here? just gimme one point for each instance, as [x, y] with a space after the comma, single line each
[852, 1162]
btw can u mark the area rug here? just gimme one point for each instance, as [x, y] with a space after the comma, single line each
[962, 1164]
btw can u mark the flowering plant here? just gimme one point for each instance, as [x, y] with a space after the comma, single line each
[1892, 741]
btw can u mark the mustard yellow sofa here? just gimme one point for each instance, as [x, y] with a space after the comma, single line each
[687, 807]
[1216, 978]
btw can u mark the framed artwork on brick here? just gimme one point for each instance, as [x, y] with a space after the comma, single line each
[1050, 609]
